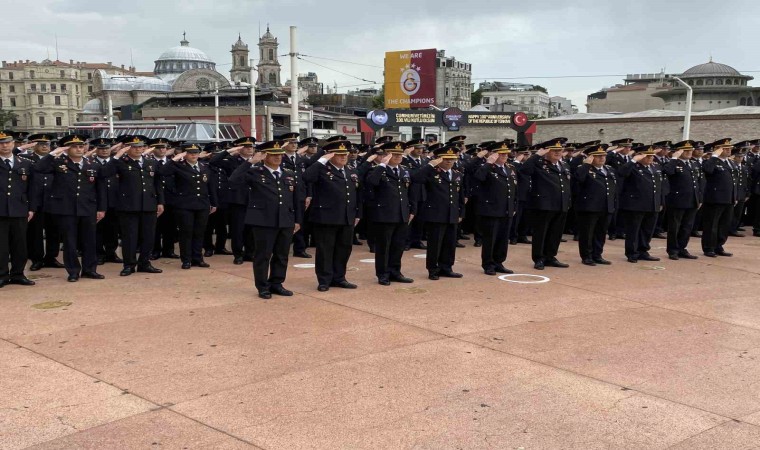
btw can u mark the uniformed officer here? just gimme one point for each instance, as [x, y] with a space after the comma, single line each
[596, 200]
[443, 210]
[43, 237]
[196, 198]
[414, 161]
[720, 197]
[21, 143]
[78, 200]
[293, 161]
[237, 195]
[275, 211]
[107, 234]
[548, 202]
[15, 193]
[166, 227]
[619, 153]
[683, 200]
[335, 209]
[363, 229]
[520, 228]
[753, 163]
[141, 201]
[495, 206]
[640, 202]
[741, 179]
[389, 212]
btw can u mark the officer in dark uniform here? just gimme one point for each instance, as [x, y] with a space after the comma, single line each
[413, 162]
[107, 234]
[166, 227]
[389, 212]
[617, 155]
[662, 149]
[334, 212]
[548, 202]
[683, 200]
[696, 159]
[595, 202]
[292, 161]
[443, 210]
[640, 202]
[237, 195]
[520, 228]
[741, 179]
[15, 194]
[275, 211]
[78, 200]
[719, 200]
[196, 198]
[364, 230]
[141, 200]
[43, 251]
[20, 138]
[495, 206]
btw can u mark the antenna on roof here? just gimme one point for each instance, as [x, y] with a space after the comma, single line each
[710, 57]
[56, 47]
[131, 59]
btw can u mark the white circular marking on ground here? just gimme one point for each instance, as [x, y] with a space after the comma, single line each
[304, 266]
[368, 260]
[651, 267]
[539, 278]
[421, 256]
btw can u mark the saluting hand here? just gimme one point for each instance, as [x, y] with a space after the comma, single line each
[257, 157]
[435, 162]
[328, 156]
[492, 159]
[588, 160]
[29, 145]
[520, 157]
[120, 152]
[613, 149]
[179, 156]
[717, 152]
[372, 157]
[302, 150]
[203, 154]
[639, 157]
[482, 153]
[58, 152]
[542, 151]
[386, 158]
[235, 150]
[677, 154]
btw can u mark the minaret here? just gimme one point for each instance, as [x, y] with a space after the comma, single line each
[241, 71]
[269, 67]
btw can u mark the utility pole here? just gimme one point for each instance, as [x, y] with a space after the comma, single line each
[295, 125]
[253, 99]
[216, 112]
[687, 115]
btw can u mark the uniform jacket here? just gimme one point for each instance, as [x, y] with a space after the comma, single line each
[497, 190]
[40, 183]
[16, 188]
[550, 187]
[272, 203]
[335, 196]
[230, 192]
[685, 185]
[74, 191]
[641, 187]
[720, 187]
[192, 190]
[140, 188]
[391, 202]
[596, 191]
[444, 198]
[524, 182]
[112, 186]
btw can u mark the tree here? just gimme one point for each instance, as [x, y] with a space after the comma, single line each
[476, 97]
[7, 116]
[378, 101]
[540, 88]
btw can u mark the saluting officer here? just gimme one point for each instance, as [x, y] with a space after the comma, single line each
[618, 154]
[107, 234]
[683, 200]
[195, 195]
[520, 226]
[389, 212]
[741, 179]
[275, 211]
[719, 200]
[548, 201]
[78, 200]
[293, 161]
[640, 202]
[596, 201]
[166, 228]
[414, 161]
[15, 193]
[334, 212]
[443, 210]
[495, 206]
[141, 201]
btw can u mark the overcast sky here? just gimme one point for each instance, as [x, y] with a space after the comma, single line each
[500, 38]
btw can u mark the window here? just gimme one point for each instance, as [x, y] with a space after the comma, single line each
[89, 76]
[10, 75]
[13, 101]
[271, 54]
[709, 82]
[40, 100]
[59, 121]
[63, 88]
[57, 99]
[719, 81]
[749, 101]
[42, 121]
[31, 74]
[242, 61]
[12, 88]
[742, 101]
[691, 82]
[63, 74]
[486, 100]
[699, 82]
[43, 87]
[272, 78]
[14, 122]
[89, 89]
[33, 87]
[52, 88]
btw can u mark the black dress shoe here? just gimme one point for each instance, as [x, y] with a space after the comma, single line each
[224, 251]
[301, 255]
[357, 242]
[477, 244]
[73, 278]
[54, 264]
[711, 254]
[659, 235]
[101, 260]
[248, 258]
[383, 282]
[563, 240]
[279, 290]
[266, 295]
[696, 234]
[463, 237]
[588, 262]
[601, 261]
[208, 253]
[92, 275]
[449, 274]
[756, 233]
[723, 253]
[406, 248]
[114, 259]
[3, 282]
[736, 234]
[323, 288]
[401, 279]
[523, 240]
[154, 256]
[489, 271]
[127, 271]
[673, 256]
[343, 284]
[538, 265]
[555, 263]
[419, 246]
[170, 255]
[200, 264]
[149, 269]
[647, 257]
[23, 281]
[513, 242]
[612, 237]
[186, 265]
[238, 260]
[37, 265]
[686, 255]
[433, 276]
[741, 229]
[460, 245]
[501, 269]
[632, 260]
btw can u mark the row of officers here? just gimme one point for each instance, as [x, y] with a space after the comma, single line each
[150, 195]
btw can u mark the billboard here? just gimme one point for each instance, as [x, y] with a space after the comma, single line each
[410, 79]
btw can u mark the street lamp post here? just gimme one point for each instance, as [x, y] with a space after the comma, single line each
[253, 99]
[687, 115]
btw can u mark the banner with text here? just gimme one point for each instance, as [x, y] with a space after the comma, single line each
[410, 79]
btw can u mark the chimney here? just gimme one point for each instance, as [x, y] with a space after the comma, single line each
[109, 63]
[27, 61]
[122, 68]
[3, 63]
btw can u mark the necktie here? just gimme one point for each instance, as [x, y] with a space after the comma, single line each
[8, 163]
[276, 174]
[395, 172]
[293, 159]
[79, 166]
[195, 168]
[447, 175]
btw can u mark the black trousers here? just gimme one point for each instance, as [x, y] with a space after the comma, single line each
[216, 225]
[299, 241]
[12, 247]
[107, 235]
[716, 223]
[270, 257]
[495, 239]
[78, 233]
[138, 229]
[191, 224]
[43, 238]
[441, 246]
[592, 230]
[547, 233]
[390, 239]
[166, 232]
[240, 234]
[416, 229]
[518, 224]
[680, 225]
[334, 244]
[754, 212]
[736, 220]
[639, 228]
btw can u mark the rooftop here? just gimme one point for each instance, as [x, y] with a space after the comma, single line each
[654, 113]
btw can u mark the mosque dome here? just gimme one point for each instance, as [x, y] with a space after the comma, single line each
[182, 58]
